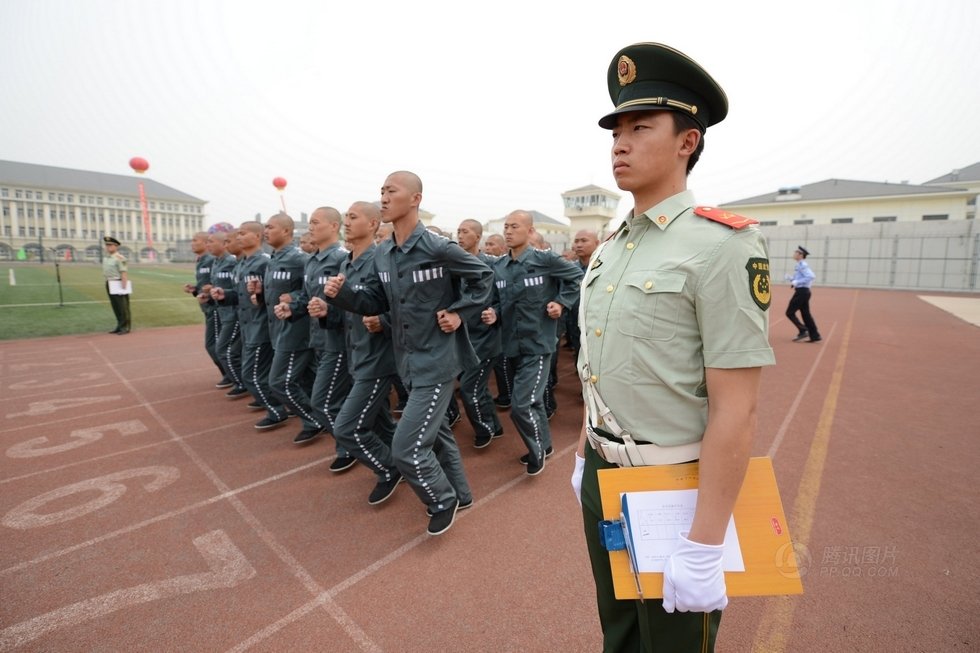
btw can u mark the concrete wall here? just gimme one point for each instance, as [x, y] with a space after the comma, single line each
[942, 255]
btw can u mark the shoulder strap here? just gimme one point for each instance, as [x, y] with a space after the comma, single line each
[726, 218]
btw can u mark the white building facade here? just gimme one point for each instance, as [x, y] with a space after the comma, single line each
[66, 212]
[841, 201]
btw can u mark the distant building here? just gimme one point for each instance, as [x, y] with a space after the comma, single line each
[590, 207]
[67, 212]
[841, 201]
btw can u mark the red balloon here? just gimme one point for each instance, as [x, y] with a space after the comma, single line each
[139, 164]
[279, 183]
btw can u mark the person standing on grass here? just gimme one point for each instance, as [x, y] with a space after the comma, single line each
[114, 269]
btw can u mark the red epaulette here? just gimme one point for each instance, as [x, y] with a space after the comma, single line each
[726, 218]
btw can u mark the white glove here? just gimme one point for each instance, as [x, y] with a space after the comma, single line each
[693, 578]
[577, 477]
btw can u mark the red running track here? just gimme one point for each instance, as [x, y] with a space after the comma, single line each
[141, 511]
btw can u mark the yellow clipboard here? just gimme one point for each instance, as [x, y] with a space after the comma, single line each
[767, 550]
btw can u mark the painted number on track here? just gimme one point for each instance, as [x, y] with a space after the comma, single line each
[27, 514]
[77, 438]
[227, 567]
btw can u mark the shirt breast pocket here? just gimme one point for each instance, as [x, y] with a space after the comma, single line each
[537, 287]
[431, 285]
[651, 303]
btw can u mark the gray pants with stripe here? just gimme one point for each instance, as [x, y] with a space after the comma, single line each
[330, 389]
[229, 348]
[289, 381]
[256, 363]
[425, 451]
[364, 427]
[212, 327]
[527, 402]
[475, 390]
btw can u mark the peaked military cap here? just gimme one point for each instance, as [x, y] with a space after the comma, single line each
[653, 76]
[109, 240]
[802, 250]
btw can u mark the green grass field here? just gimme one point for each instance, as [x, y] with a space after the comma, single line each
[32, 307]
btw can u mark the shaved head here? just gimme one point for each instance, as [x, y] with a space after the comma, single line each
[474, 226]
[495, 245]
[523, 216]
[368, 209]
[584, 244]
[284, 221]
[251, 226]
[409, 180]
[329, 214]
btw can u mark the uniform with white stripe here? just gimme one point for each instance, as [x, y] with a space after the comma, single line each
[413, 281]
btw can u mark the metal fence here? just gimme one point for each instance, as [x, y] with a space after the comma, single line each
[909, 255]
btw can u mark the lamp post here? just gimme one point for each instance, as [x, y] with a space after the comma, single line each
[139, 166]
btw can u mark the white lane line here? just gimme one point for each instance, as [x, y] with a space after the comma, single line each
[373, 568]
[74, 418]
[306, 579]
[784, 427]
[92, 301]
[160, 518]
[227, 567]
[159, 443]
[89, 386]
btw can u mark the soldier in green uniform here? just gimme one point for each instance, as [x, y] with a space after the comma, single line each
[114, 269]
[674, 334]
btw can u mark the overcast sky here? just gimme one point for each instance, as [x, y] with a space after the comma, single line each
[493, 104]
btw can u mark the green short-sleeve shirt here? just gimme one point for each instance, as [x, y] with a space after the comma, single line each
[671, 294]
[113, 265]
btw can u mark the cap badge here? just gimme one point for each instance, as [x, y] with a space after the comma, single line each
[627, 70]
